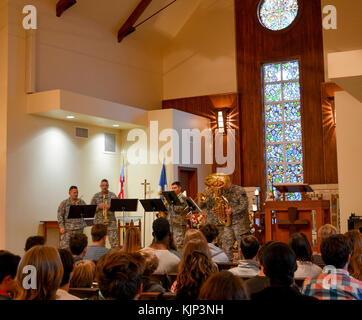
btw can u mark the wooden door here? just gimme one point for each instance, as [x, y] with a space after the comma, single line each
[188, 180]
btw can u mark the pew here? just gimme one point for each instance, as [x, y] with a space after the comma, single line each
[85, 293]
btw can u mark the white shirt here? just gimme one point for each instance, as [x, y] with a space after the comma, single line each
[307, 269]
[167, 261]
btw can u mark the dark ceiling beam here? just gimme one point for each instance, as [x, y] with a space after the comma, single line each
[63, 5]
[127, 27]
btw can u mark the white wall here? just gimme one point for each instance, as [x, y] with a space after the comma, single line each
[201, 59]
[349, 147]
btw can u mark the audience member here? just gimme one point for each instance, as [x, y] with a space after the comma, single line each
[48, 270]
[8, 266]
[260, 281]
[334, 283]
[223, 286]
[78, 246]
[248, 267]
[168, 261]
[34, 241]
[68, 266]
[354, 239]
[83, 274]
[119, 276]
[195, 268]
[280, 263]
[97, 249]
[132, 240]
[324, 232]
[211, 232]
[194, 234]
[303, 251]
[150, 266]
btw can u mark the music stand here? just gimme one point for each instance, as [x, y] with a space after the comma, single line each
[123, 205]
[152, 205]
[193, 207]
[82, 212]
[172, 200]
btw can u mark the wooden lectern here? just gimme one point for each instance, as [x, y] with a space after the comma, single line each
[283, 218]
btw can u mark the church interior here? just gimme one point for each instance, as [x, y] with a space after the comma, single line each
[93, 90]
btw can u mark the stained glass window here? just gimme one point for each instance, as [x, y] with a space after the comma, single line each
[283, 129]
[278, 14]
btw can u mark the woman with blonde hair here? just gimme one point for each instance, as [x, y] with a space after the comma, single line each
[194, 269]
[83, 274]
[49, 273]
[194, 234]
[132, 240]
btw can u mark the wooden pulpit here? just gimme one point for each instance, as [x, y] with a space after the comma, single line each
[283, 218]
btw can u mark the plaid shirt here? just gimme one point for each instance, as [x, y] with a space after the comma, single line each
[333, 284]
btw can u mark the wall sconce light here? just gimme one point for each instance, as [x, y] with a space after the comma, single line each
[222, 120]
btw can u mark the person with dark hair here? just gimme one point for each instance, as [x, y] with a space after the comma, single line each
[324, 232]
[97, 249]
[68, 266]
[223, 286]
[34, 241]
[280, 264]
[211, 232]
[179, 217]
[260, 281]
[119, 276]
[303, 251]
[248, 267]
[168, 261]
[8, 266]
[195, 268]
[78, 246]
[68, 227]
[334, 283]
[103, 201]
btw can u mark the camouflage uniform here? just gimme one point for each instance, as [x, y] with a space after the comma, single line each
[112, 229]
[179, 222]
[240, 222]
[71, 226]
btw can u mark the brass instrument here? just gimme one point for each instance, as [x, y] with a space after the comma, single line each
[215, 182]
[105, 210]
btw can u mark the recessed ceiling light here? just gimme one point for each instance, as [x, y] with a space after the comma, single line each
[70, 117]
[115, 125]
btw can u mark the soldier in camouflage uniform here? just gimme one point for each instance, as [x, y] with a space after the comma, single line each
[69, 227]
[179, 217]
[239, 216]
[98, 199]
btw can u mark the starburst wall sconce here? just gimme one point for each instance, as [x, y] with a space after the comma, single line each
[222, 120]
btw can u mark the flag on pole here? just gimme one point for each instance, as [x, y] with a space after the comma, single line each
[163, 180]
[121, 180]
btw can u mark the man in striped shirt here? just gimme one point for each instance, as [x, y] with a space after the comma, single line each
[334, 283]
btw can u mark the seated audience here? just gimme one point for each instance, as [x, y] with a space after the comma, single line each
[97, 249]
[168, 261]
[195, 268]
[303, 251]
[119, 276]
[150, 266]
[8, 266]
[211, 232]
[49, 274]
[68, 265]
[354, 239]
[223, 286]
[78, 246]
[324, 232]
[248, 266]
[34, 241]
[280, 264]
[334, 283]
[260, 281]
[172, 245]
[83, 274]
[132, 240]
